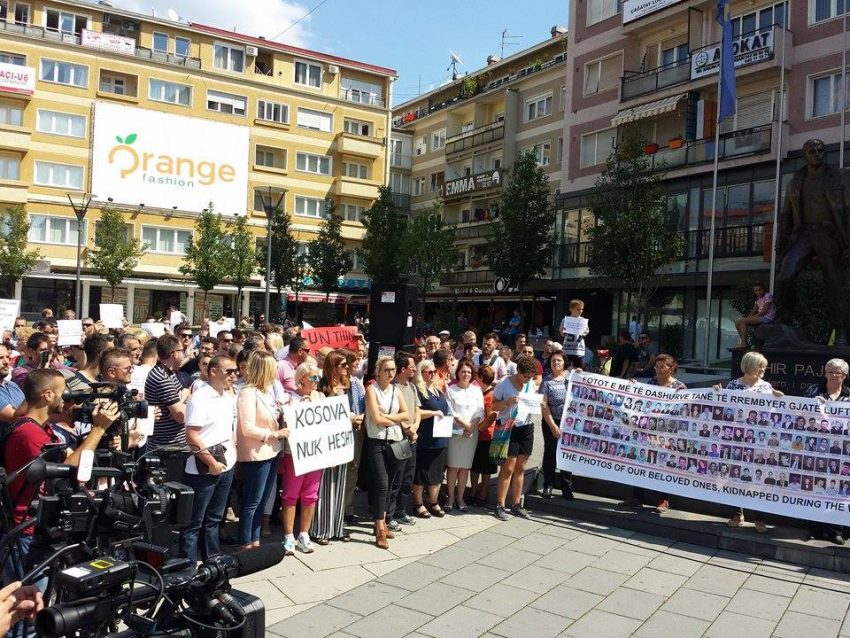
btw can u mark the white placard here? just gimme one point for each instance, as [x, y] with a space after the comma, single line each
[112, 315]
[748, 49]
[443, 426]
[70, 332]
[320, 433]
[529, 405]
[8, 313]
[388, 296]
[575, 325]
[154, 328]
[176, 318]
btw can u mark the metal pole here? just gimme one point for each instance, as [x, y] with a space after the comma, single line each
[80, 213]
[843, 97]
[709, 282]
[777, 188]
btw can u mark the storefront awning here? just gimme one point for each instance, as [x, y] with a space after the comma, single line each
[659, 107]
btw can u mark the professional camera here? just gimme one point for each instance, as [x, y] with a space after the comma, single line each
[124, 398]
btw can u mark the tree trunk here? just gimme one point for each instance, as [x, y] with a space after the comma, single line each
[521, 313]
[238, 304]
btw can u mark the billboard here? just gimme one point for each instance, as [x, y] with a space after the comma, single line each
[162, 160]
[17, 79]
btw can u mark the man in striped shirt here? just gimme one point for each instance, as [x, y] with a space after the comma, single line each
[164, 392]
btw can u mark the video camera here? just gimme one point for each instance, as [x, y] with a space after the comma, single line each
[129, 406]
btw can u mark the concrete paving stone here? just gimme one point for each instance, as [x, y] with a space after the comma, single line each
[675, 565]
[730, 624]
[317, 622]
[845, 626]
[538, 543]
[465, 531]
[795, 625]
[461, 622]
[340, 634]
[336, 555]
[319, 586]
[386, 566]
[631, 603]
[274, 616]
[436, 598]
[531, 622]
[601, 624]
[509, 559]
[656, 582]
[695, 604]
[501, 599]
[390, 622]
[717, 580]
[663, 624]
[537, 579]
[771, 585]
[734, 560]
[758, 604]
[565, 601]
[265, 590]
[407, 545]
[566, 560]
[593, 544]
[450, 558]
[694, 552]
[820, 602]
[596, 581]
[517, 527]
[414, 576]
[475, 577]
[367, 598]
[622, 561]
[290, 567]
[560, 529]
[829, 579]
[484, 543]
[650, 542]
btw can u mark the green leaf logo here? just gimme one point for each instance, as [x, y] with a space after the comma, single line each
[119, 139]
[130, 138]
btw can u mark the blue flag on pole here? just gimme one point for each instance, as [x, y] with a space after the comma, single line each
[727, 62]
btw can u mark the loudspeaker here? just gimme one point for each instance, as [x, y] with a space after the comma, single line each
[392, 314]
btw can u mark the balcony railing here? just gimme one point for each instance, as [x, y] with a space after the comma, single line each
[637, 83]
[475, 137]
[462, 231]
[168, 58]
[361, 97]
[402, 202]
[466, 277]
[749, 141]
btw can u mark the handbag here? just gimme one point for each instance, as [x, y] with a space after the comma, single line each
[501, 441]
[217, 452]
[401, 449]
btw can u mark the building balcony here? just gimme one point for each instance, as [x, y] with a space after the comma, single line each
[733, 145]
[360, 145]
[13, 191]
[15, 138]
[636, 83]
[492, 132]
[351, 187]
[361, 97]
[402, 202]
[476, 230]
[168, 58]
[466, 277]
[401, 160]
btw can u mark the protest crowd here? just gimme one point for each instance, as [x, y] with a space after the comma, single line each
[425, 432]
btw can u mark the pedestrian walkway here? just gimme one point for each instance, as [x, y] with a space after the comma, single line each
[547, 578]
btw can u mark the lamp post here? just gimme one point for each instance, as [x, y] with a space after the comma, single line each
[270, 209]
[80, 211]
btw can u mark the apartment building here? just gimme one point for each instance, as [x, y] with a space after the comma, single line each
[652, 67]
[162, 118]
[453, 145]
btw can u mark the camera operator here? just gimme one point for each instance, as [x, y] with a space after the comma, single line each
[116, 368]
[17, 603]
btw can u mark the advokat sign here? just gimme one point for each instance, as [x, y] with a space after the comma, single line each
[749, 49]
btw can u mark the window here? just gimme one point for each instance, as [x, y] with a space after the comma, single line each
[542, 153]
[396, 152]
[352, 212]
[438, 139]
[437, 181]
[303, 249]
[358, 171]
[361, 92]
[10, 167]
[260, 193]
[538, 107]
[418, 186]
[355, 265]
[764, 18]
[308, 163]
[310, 207]
[270, 157]
[65, 73]
[596, 147]
[600, 75]
[356, 127]
[308, 74]
[420, 145]
[57, 123]
[182, 47]
[22, 13]
[61, 175]
[160, 42]
[55, 230]
[674, 56]
[13, 58]
[226, 102]
[599, 10]
[560, 149]
[118, 83]
[11, 114]
[825, 92]
[166, 240]
[171, 92]
[316, 120]
[65, 22]
[229, 57]
[272, 112]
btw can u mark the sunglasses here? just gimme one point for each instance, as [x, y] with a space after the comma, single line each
[187, 335]
[341, 365]
[85, 325]
[229, 370]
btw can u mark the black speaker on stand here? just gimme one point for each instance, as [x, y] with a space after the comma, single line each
[392, 312]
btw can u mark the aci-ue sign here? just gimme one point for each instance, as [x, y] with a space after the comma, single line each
[749, 49]
[17, 79]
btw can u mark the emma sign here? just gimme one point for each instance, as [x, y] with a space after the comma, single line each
[749, 49]
[471, 183]
[163, 161]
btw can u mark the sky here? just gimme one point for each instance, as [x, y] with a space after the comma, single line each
[414, 38]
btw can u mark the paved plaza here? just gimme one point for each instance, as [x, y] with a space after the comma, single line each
[469, 575]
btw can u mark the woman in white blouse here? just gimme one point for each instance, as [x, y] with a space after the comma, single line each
[467, 405]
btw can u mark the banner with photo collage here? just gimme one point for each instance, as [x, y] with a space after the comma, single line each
[788, 455]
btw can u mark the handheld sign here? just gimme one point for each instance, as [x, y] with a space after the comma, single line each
[443, 426]
[8, 313]
[320, 434]
[112, 314]
[70, 332]
[331, 336]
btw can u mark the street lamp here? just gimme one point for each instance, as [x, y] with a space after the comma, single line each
[269, 208]
[80, 211]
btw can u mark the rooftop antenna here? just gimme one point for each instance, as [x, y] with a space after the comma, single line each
[506, 37]
[172, 15]
[456, 59]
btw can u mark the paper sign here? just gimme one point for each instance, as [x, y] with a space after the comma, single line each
[409, 321]
[216, 327]
[388, 297]
[575, 325]
[176, 318]
[111, 315]
[386, 351]
[154, 329]
[443, 426]
[320, 433]
[331, 336]
[70, 332]
[8, 313]
[529, 404]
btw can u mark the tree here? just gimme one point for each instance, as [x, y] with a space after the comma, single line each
[301, 269]
[15, 260]
[380, 251]
[116, 252]
[242, 260]
[634, 239]
[328, 258]
[206, 254]
[522, 240]
[284, 250]
[428, 249]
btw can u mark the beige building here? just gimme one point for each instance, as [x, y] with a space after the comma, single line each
[159, 118]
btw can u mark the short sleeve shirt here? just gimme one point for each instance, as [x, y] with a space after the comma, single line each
[214, 414]
[162, 389]
[762, 302]
[23, 445]
[505, 389]
[10, 394]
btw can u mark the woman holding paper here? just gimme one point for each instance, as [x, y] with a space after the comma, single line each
[554, 390]
[467, 405]
[431, 450]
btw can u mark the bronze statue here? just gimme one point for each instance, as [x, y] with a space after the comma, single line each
[814, 223]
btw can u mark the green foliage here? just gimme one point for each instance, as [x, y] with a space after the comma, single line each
[634, 239]
[328, 258]
[742, 294]
[207, 252]
[428, 249]
[284, 249]
[300, 269]
[810, 306]
[15, 260]
[242, 259]
[380, 253]
[116, 253]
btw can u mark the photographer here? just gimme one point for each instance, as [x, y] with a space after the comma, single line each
[116, 368]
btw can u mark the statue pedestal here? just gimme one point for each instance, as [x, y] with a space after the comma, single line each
[793, 370]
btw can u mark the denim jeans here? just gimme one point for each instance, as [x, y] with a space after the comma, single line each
[211, 493]
[258, 480]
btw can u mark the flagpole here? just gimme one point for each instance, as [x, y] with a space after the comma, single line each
[711, 231]
[777, 187]
[843, 86]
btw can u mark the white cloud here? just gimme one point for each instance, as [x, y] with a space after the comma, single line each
[266, 18]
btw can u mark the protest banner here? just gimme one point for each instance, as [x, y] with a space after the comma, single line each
[70, 332]
[332, 336]
[8, 314]
[787, 455]
[320, 433]
[112, 315]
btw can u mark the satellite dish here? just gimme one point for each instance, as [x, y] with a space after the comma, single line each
[172, 15]
[455, 57]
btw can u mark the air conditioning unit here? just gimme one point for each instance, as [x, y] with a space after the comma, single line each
[252, 52]
[107, 18]
[333, 69]
[128, 25]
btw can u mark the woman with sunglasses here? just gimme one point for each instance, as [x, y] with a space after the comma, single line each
[431, 451]
[357, 403]
[304, 488]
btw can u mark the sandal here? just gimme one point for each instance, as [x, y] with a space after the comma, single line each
[422, 512]
[321, 541]
[345, 538]
[761, 528]
[735, 521]
[436, 510]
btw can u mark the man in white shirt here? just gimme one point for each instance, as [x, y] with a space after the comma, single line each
[490, 355]
[210, 419]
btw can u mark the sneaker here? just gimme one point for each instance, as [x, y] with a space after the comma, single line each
[501, 513]
[393, 525]
[289, 545]
[519, 510]
[304, 544]
[405, 519]
[663, 506]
